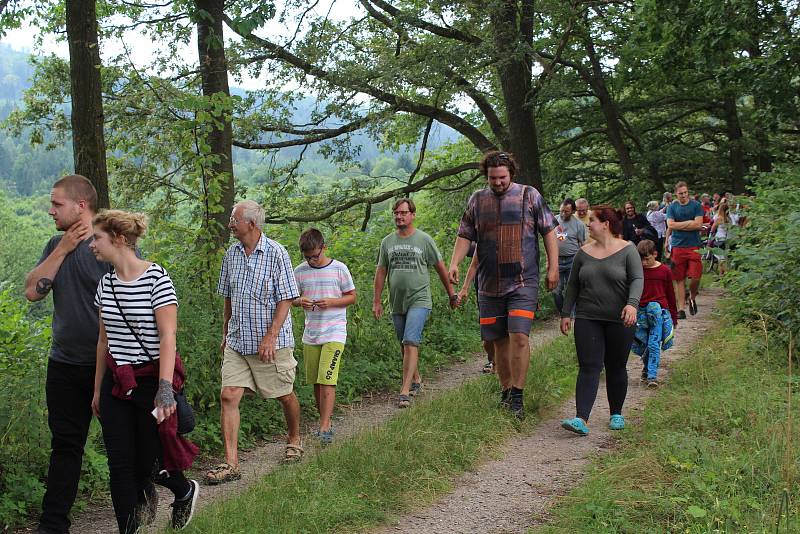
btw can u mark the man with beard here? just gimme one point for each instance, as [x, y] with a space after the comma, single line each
[505, 220]
[69, 269]
[405, 256]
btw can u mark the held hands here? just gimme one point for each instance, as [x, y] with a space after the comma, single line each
[455, 301]
[566, 324]
[628, 315]
[266, 349]
[164, 402]
[74, 235]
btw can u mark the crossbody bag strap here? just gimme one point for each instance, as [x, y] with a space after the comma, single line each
[119, 307]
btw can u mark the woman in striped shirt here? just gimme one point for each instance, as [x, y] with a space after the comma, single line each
[137, 369]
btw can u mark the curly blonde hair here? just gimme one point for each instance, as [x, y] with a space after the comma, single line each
[118, 222]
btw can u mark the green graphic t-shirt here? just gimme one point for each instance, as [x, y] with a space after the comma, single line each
[407, 260]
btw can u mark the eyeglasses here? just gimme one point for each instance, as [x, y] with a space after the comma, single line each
[234, 220]
[315, 257]
[503, 156]
[402, 213]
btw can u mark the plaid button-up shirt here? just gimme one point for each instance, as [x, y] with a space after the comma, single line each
[255, 284]
[506, 228]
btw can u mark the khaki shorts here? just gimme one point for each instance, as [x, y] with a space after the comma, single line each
[270, 380]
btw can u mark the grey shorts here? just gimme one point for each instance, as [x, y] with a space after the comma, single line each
[511, 313]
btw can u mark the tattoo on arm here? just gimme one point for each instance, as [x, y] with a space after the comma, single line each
[164, 396]
[43, 286]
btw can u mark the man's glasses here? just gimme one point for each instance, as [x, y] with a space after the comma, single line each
[402, 213]
[503, 156]
[235, 221]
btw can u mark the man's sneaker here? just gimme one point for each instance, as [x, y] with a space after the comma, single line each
[652, 384]
[326, 436]
[616, 422]
[517, 408]
[147, 508]
[692, 307]
[488, 368]
[403, 401]
[576, 425]
[416, 387]
[183, 510]
[505, 398]
[681, 315]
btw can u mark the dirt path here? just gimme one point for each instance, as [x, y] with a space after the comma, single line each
[515, 492]
[374, 410]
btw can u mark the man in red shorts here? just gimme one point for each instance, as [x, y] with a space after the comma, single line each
[684, 220]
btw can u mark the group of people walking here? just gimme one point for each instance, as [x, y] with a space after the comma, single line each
[114, 350]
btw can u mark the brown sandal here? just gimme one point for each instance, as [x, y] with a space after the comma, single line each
[222, 473]
[292, 453]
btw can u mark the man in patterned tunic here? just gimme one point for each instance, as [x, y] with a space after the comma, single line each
[505, 221]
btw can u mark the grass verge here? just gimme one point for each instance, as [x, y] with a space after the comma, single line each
[713, 452]
[407, 462]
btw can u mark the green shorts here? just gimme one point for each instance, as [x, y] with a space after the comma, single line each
[323, 362]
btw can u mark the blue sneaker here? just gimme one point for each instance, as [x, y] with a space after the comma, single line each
[326, 436]
[617, 422]
[576, 425]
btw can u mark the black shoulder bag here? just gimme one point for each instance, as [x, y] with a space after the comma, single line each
[184, 411]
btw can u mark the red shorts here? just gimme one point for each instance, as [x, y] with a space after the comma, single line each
[686, 262]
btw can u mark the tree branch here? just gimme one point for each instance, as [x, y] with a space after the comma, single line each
[585, 133]
[441, 31]
[375, 199]
[311, 136]
[400, 103]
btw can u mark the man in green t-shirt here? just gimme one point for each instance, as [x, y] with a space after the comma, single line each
[406, 255]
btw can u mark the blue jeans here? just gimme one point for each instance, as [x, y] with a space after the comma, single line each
[564, 268]
[653, 326]
[408, 326]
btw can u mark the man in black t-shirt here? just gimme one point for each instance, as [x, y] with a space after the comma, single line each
[69, 269]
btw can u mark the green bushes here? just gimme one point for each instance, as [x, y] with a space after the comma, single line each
[766, 261]
[24, 436]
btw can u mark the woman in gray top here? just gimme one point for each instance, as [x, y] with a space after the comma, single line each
[605, 286]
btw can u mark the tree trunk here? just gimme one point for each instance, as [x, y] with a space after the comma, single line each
[514, 70]
[735, 150]
[88, 142]
[610, 111]
[218, 176]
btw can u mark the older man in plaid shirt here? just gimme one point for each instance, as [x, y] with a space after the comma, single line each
[257, 281]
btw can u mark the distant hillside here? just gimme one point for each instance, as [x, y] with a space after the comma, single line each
[27, 170]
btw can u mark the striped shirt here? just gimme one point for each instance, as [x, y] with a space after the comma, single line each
[317, 283]
[255, 284]
[139, 299]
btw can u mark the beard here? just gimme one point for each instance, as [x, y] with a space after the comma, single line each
[63, 224]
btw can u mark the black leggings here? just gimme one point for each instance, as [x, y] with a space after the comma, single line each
[134, 450]
[601, 343]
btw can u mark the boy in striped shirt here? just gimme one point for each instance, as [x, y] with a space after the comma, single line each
[326, 289]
